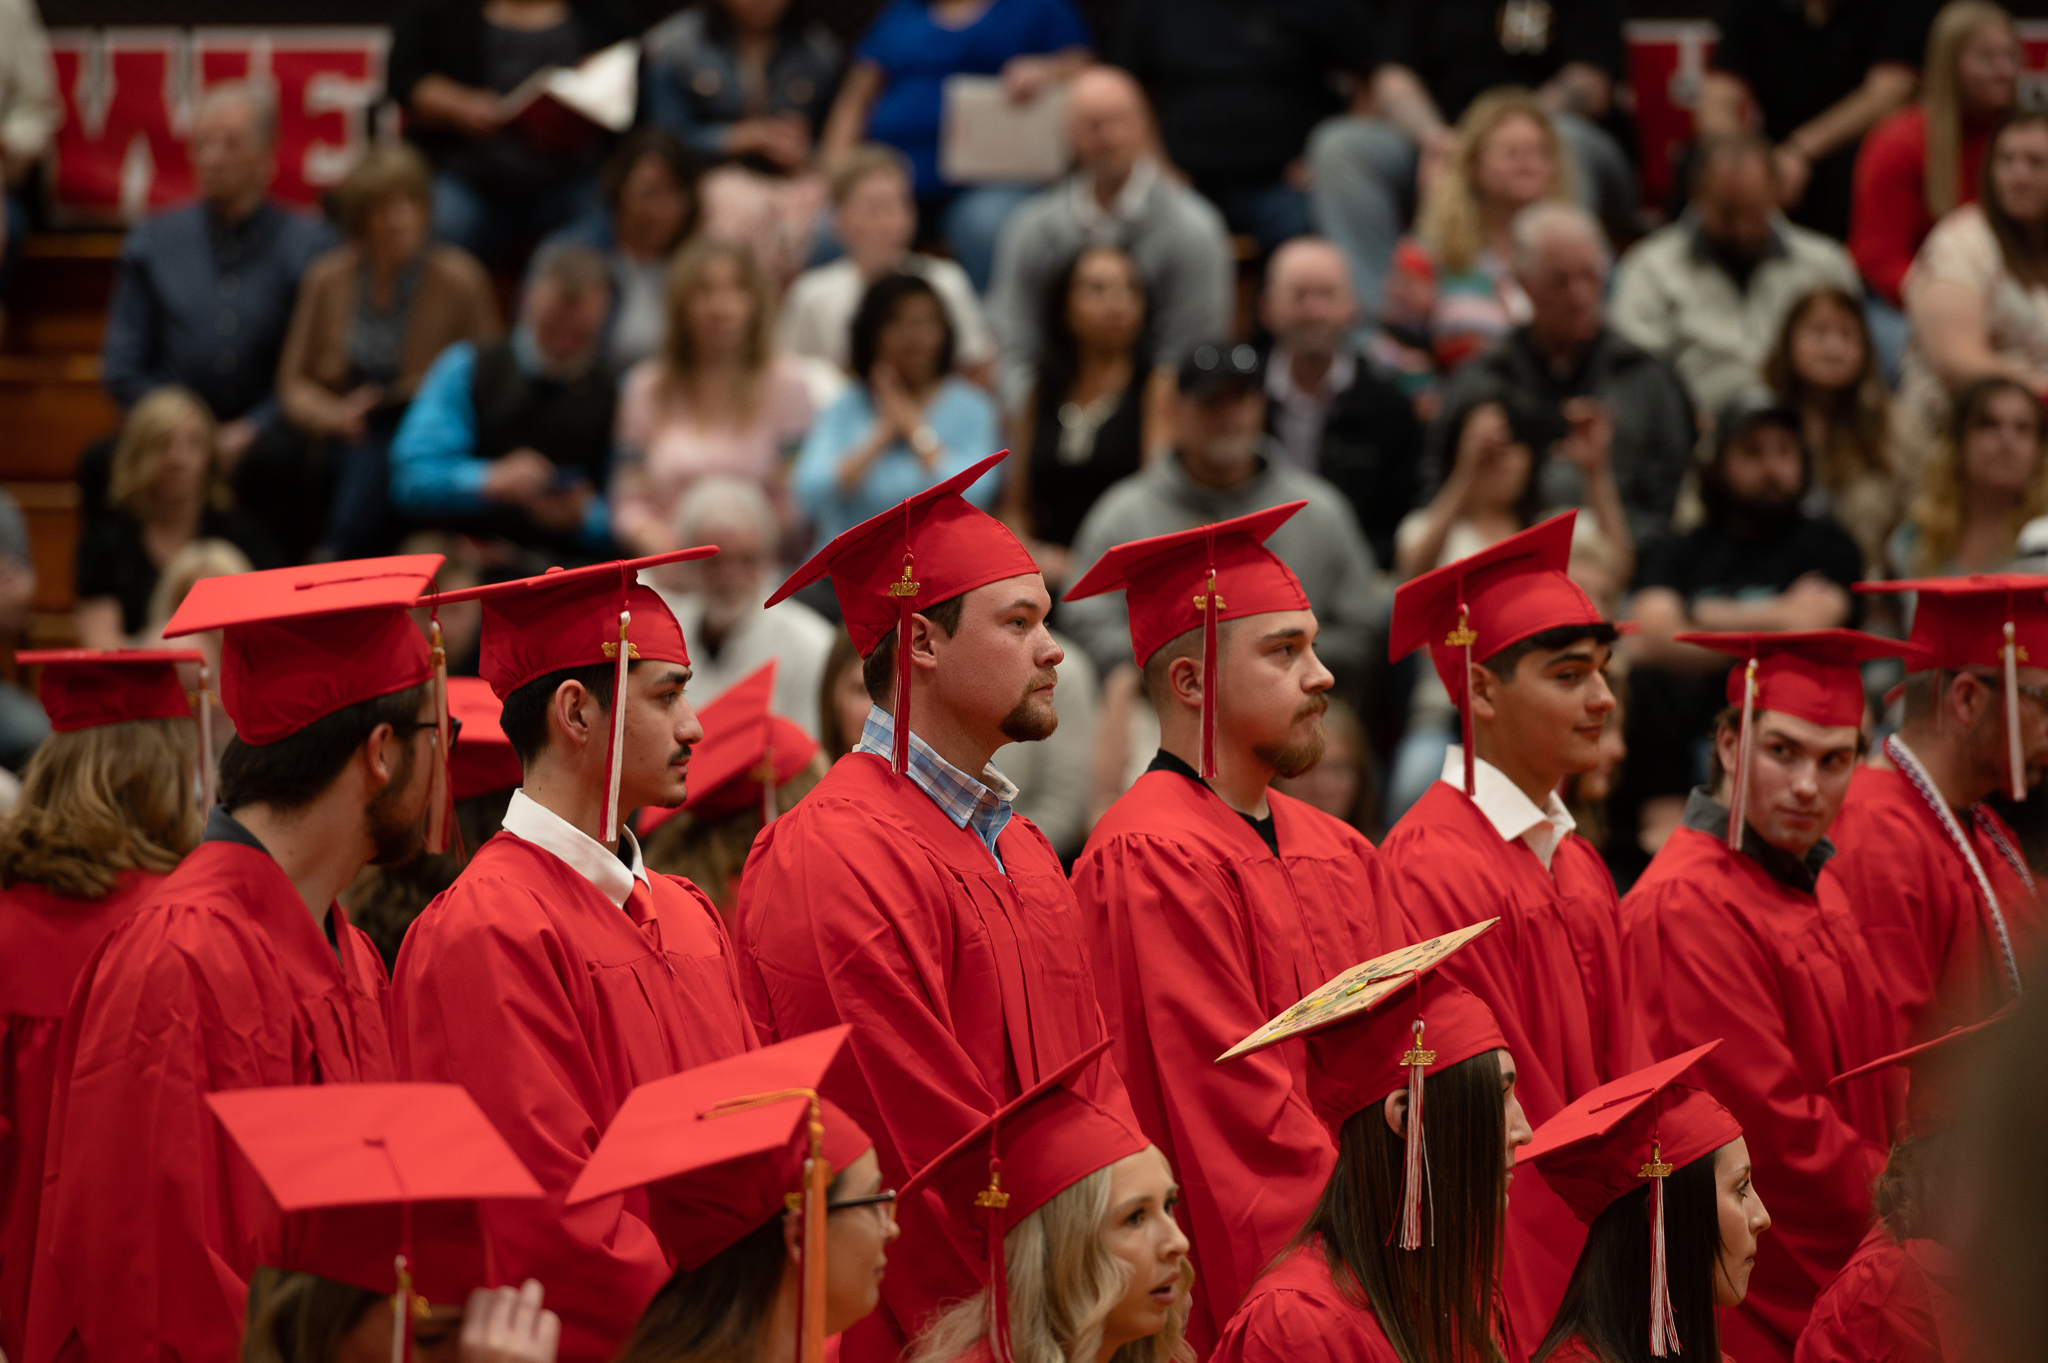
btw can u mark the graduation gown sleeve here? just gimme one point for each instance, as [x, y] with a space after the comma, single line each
[1297, 1315]
[1893, 1303]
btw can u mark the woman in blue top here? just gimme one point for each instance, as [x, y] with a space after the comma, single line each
[908, 423]
[894, 93]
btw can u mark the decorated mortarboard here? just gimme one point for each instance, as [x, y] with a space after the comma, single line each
[933, 546]
[1028, 1152]
[1196, 579]
[387, 1176]
[1937, 1074]
[483, 762]
[579, 617]
[84, 688]
[1814, 675]
[747, 752]
[733, 1144]
[1358, 1053]
[1471, 609]
[1612, 1139]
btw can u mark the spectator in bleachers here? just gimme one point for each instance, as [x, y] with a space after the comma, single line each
[28, 116]
[452, 63]
[1825, 368]
[1223, 464]
[1118, 195]
[1054, 776]
[716, 400]
[1097, 412]
[1927, 159]
[512, 441]
[650, 189]
[1708, 292]
[204, 296]
[1341, 784]
[908, 422]
[720, 601]
[165, 492]
[876, 218]
[893, 93]
[1818, 76]
[748, 83]
[842, 699]
[23, 725]
[1238, 88]
[1567, 350]
[1327, 410]
[1987, 477]
[1452, 292]
[371, 316]
[1437, 57]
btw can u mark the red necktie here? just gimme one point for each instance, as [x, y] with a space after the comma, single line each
[640, 903]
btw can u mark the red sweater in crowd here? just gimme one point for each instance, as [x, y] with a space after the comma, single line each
[1888, 217]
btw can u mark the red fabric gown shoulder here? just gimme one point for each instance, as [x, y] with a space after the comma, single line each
[526, 984]
[45, 940]
[1715, 947]
[964, 983]
[1199, 934]
[1550, 971]
[1892, 1303]
[222, 980]
[1297, 1314]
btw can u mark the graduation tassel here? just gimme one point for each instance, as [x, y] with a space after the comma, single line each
[904, 589]
[206, 773]
[404, 1305]
[817, 1180]
[2012, 715]
[1209, 603]
[1738, 791]
[992, 1200]
[1663, 1325]
[1463, 638]
[441, 799]
[615, 759]
[1414, 1169]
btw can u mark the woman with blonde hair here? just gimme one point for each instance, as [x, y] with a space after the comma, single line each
[166, 490]
[717, 399]
[1986, 478]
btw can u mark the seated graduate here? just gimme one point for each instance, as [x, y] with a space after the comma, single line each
[1660, 1174]
[1397, 1263]
[1064, 1212]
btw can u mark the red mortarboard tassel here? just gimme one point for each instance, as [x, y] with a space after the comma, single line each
[904, 589]
[1663, 1326]
[442, 818]
[992, 1200]
[2012, 709]
[1414, 1166]
[614, 759]
[1463, 638]
[1209, 603]
[1738, 791]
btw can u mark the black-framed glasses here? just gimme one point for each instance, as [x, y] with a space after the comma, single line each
[886, 1197]
[408, 728]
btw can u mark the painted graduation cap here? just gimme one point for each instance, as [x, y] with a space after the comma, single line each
[85, 688]
[1640, 1127]
[1358, 1053]
[1029, 1151]
[1937, 1074]
[747, 752]
[1814, 675]
[931, 547]
[1196, 579]
[388, 1175]
[483, 762]
[579, 617]
[732, 1144]
[1471, 609]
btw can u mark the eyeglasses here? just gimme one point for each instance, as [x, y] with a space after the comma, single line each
[407, 728]
[885, 1198]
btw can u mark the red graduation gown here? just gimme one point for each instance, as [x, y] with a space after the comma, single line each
[148, 1230]
[45, 940]
[1928, 929]
[1199, 934]
[1297, 1314]
[964, 985]
[1551, 972]
[1893, 1303]
[525, 984]
[1715, 946]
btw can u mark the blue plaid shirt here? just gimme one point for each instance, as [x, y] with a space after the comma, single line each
[983, 806]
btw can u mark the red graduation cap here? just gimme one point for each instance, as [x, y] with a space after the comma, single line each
[732, 1144]
[84, 688]
[1196, 579]
[379, 1168]
[747, 752]
[1029, 1151]
[932, 547]
[1475, 607]
[483, 762]
[1812, 675]
[1640, 1127]
[1937, 1072]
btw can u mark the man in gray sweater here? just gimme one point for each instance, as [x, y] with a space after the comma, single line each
[1223, 464]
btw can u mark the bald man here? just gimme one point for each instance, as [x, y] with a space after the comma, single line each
[1115, 194]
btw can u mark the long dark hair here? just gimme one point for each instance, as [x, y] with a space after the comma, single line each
[2025, 254]
[878, 309]
[1059, 352]
[1858, 419]
[1607, 1304]
[1435, 1303]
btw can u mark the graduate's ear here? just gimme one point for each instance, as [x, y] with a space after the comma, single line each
[1184, 681]
[924, 636]
[570, 713]
[1396, 1110]
[1484, 688]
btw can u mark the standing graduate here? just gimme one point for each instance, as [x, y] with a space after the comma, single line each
[1945, 899]
[108, 807]
[558, 972]
[1523, 653]
[1761, 947]
[1212, 902]
[241, 970]
[902, 896]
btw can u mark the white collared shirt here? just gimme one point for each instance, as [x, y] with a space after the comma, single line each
[1509, 809]
[529, 819]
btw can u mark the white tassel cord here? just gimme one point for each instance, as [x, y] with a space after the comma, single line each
[616, 758]
[1738, 790]
[1663, 1325]
[2012, 715]
[1414, 1165]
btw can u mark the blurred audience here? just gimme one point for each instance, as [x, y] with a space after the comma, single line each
[1708, 293]
[372, 316]
[29, 111]
[894, 92]
[512, 440]
[1341, 785]
[842, 699]
[1118, 195]
[1053, 776]
[1986, 478]
[716, 400]
[23, 725]
[908, 422]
